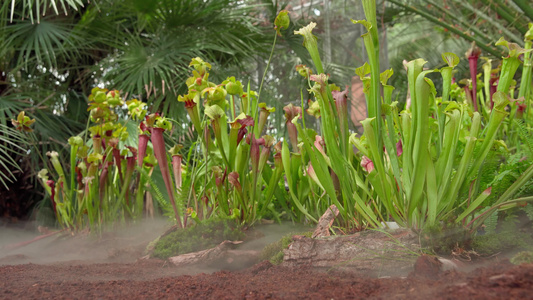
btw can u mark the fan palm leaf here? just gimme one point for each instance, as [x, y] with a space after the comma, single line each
[153, 45]
[11, 144]
[33, 9]
[41, 44]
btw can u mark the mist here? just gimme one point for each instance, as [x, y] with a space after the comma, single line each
[80, 247]
[123, 245]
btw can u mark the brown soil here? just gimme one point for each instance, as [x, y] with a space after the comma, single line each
[155, 280]
[118, 273]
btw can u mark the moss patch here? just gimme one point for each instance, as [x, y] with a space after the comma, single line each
[501, 241]
[507, 237]
[444, 239]
[201, 236]
[524, 257]
[274, 252]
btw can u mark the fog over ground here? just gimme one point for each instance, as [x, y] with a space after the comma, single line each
[125, 245]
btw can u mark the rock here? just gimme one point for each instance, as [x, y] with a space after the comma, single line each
[448, 265]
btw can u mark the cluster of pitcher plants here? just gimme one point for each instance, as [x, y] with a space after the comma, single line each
[419, 166]
[110, 178]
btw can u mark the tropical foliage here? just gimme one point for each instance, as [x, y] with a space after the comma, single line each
[55, 52]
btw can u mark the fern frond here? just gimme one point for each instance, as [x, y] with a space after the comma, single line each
[491, 222]
[154, 190]
[183, 193]
[525, 134]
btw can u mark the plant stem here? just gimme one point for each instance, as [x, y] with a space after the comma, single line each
[266, 68]
[504, 12]
[526, 7]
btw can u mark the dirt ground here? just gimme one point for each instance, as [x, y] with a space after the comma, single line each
[74, 270]
[154, 280]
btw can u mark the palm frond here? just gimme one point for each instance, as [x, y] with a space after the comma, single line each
[42, 43]
[482, 22]
[11, 145]
[149, 65]
[154, 45]
[33, 9]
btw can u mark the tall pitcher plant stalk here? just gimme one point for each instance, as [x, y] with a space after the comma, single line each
[525, 89]
[335, 163]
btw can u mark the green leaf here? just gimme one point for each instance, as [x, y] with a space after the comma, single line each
[514, 49]
[365, 23]
[451, 59]
[385, 75]
[286, 158]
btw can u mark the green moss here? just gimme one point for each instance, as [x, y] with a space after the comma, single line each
[277, 258]
[501, 241]
[508, 235]
[524, 257]
[444, 239]
[207, 234]
[505, 235]
[274, 252]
